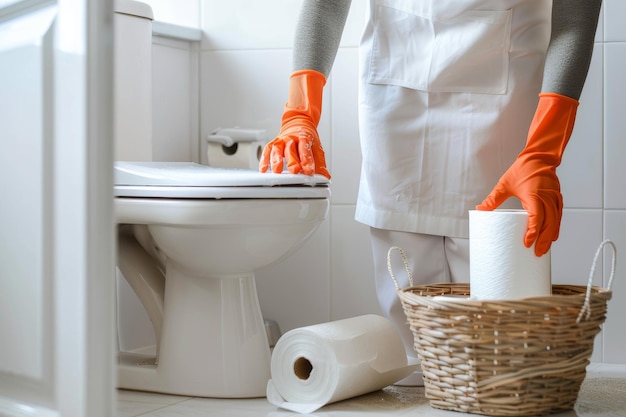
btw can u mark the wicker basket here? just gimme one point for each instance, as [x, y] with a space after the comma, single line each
[523, 357]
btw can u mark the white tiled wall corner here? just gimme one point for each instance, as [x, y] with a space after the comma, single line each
[614, 337]
[614, 125]
[584, 150]
[352, 273]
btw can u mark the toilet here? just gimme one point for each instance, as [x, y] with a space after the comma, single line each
[190, 238]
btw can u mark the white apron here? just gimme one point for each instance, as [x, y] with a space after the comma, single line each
[448, 90]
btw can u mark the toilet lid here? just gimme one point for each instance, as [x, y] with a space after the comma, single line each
[191, 180]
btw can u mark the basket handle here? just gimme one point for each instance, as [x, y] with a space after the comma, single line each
[586, 309]
[406, 266]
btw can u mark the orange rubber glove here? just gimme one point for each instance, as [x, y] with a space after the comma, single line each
[298, 141]
[532, 177]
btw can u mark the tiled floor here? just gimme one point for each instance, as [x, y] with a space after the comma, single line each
[603, 394]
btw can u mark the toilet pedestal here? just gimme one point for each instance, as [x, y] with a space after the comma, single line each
[219, 346]
[211, 336]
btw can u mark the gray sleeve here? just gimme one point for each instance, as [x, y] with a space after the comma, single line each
[318, 34]
[574, 25]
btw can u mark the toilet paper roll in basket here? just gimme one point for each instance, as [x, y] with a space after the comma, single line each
[324, 363]
[501, 267]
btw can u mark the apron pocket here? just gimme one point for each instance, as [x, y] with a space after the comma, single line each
[467, 52]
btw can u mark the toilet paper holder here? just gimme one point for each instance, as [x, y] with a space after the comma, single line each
[230, 138]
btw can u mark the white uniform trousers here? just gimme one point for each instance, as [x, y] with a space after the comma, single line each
[431, 259]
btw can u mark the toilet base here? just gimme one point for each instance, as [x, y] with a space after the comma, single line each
[139, 372]
[213, 342]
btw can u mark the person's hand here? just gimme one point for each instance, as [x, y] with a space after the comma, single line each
[298, 142]
[532, 177]
[537, 186]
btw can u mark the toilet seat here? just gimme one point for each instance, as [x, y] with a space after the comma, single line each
[195, 181]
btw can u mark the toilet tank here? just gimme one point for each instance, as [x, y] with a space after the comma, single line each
[132, 80]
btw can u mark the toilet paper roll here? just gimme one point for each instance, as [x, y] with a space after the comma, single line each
[501, 267]
[320, 364]
[239, 155]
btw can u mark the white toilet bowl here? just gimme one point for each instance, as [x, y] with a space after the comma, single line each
[190, 240]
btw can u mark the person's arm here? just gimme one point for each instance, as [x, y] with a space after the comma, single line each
[318, 34]
[574, 24]
[317, 38]
[532, 177]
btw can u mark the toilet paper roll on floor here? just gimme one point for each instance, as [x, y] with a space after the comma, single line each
[324, 363]
[501, 267]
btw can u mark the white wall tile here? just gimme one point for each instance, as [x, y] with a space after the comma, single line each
[355, 23]
[614, 28]
[243, 88]
[581, 171]
[244, 24]
[346, 149]
[614, 125]
[572, 255]
[353, 290]
[613, 333]
[268, 24]
[295, 292]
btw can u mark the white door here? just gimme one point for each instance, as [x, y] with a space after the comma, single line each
[56, 224]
